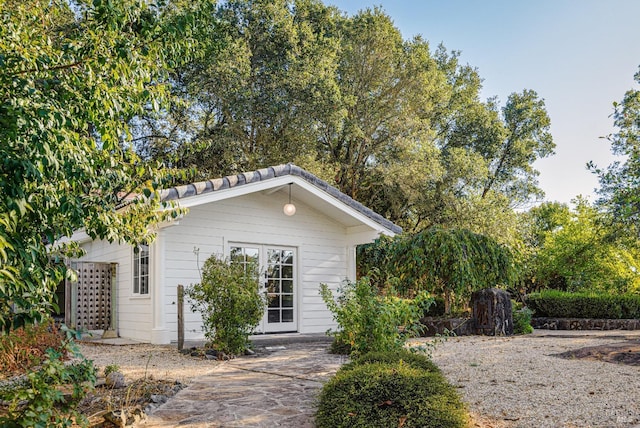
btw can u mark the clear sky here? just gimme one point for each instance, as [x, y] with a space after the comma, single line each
[578, 55]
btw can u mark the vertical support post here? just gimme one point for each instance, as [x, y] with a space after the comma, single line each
[180, 317]
[158, 288]
[351, 263]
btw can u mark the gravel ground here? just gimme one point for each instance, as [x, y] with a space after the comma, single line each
[144, 360]
[506, 382]
[518, 382]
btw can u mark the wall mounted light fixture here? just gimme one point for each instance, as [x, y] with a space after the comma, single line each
[289, 209]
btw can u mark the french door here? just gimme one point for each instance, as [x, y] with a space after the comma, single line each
[277, 267]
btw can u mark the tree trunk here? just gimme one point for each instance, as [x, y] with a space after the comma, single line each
[492, 314]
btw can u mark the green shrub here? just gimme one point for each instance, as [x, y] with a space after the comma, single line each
[559, 304]
[228, 299]
[339, 347]
[411, 359]
[37, 398]
[437, 309]
[369, 322]
[380, 394]
[522, 321]
[111, 368]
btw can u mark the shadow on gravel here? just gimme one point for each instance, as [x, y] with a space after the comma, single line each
[619, 353]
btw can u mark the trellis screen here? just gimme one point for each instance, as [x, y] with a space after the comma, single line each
[91, 296]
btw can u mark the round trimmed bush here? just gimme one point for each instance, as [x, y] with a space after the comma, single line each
[409, 358]
[389, 395]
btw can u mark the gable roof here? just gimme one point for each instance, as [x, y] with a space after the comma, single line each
[271, 173]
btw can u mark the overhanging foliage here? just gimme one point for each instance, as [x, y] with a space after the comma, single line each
[71, 74]
[449, 262]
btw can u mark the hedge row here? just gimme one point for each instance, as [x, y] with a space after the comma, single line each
[558, 304]
[390, 390]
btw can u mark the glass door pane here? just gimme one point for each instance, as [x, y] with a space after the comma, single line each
[277, 282]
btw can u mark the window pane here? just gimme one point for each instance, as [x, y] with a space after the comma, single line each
[236, 254]
[287, 315]
[287, 301]
[136, 266]
[274, 271]
[274, 315]
[252, 254]
[273, 286]
[287, 272]
[141, 269]
[273, 256]
[274, 300]
[287, 286]
[287, 257]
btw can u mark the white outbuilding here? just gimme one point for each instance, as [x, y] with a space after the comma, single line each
[300, 230]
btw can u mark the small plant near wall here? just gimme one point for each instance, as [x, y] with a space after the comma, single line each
[111, 368]
[522, 319]
[230, 304]
[370, 322]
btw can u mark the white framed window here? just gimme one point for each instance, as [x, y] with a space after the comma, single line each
[141, 269]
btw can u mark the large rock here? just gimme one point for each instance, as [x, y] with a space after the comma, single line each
[492, 314]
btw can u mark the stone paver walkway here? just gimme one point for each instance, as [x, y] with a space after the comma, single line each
[276, 388]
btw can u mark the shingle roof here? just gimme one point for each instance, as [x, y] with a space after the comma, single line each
[231, 181]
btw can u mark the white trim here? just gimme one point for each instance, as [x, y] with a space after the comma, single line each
[149, 272]
[159, 332]
[263, 260]
[269, 184]
[351, 262]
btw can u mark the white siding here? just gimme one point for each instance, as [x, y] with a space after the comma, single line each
[133, 313]
[323, 250]
[257, 219]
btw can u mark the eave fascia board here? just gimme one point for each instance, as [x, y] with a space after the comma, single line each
[276, 182]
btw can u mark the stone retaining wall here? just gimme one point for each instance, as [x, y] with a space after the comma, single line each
[584, 324]
[435, 325]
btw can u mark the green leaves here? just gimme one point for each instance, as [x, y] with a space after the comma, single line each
[228, 299]
[448, 262]
[620, 181]
[576, 252]
[71, 80]
[371, 322]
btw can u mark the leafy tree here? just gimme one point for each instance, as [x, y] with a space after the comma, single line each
[486, 154]
[391, 122]
[526, 139]
[578, 254]
[534, 225]
[545, 218]
[448, 262]
[385, 87]
[251, 103]
[71, 75]
[619, 183]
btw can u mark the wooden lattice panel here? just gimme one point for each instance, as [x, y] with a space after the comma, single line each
[94, 296]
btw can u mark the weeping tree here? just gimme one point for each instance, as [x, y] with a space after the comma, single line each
[448, 262]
